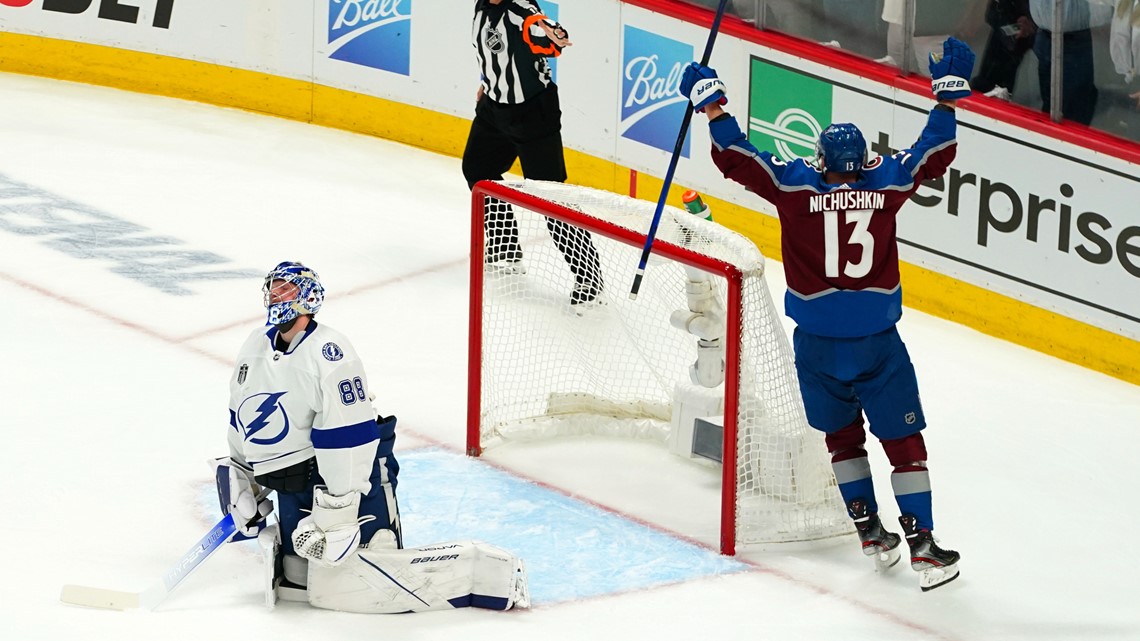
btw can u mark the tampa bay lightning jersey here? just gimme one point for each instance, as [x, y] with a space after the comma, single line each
[312, 399]
[839, 241]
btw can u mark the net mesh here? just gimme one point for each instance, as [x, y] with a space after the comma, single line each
[564, 349]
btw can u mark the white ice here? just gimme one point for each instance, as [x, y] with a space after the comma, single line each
[115, 396]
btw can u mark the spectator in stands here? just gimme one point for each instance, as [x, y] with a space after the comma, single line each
[1119, 104]
[1124, 46]
[1078, 91]
[1124, 39]
[1012, 32]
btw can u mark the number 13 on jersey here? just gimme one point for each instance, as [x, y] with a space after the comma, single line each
[834, 224]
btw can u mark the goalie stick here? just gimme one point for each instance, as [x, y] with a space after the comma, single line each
[90, 597]
[673, 162]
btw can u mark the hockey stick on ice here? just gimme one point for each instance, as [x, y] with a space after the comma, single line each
[673, 162]
[152, 596]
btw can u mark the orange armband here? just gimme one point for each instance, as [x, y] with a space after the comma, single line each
[552, 50]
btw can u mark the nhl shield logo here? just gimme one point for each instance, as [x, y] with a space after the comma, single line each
[243, 371]
[493, 39]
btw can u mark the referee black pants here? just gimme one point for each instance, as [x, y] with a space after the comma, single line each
[532, 133]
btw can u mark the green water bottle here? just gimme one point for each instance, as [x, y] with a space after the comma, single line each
[695, 205]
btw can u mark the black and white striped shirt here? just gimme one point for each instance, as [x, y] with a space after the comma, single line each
[512, 49]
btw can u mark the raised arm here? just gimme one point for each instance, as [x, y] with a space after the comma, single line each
[737, 158]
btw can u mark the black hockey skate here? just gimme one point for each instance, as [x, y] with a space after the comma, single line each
[935, 566]
[876, 540]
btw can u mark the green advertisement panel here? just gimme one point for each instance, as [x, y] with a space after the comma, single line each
[787, 110]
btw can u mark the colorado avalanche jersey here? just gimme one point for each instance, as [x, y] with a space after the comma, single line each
[311, 399]
[839, 241]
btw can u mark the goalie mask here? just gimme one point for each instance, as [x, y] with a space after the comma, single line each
[841, 148]
[289, 276]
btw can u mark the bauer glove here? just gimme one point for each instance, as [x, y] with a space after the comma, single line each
[950, 72]
[331, 534]
[701, 85]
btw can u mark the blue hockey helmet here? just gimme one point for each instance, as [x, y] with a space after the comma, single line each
[841, 148]
[310, 292]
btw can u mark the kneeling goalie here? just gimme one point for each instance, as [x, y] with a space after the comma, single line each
[302, 424]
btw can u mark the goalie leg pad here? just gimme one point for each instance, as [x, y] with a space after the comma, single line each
[437, 577]
[285, 574]
[269, 540]
[381, 502]
[294, 577]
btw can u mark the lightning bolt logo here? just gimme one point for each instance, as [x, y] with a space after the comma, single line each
[266, 406]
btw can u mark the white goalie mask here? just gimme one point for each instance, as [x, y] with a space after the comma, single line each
[309, 292]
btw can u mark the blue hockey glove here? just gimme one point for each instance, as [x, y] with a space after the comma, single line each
[951, 70]
[702, 86]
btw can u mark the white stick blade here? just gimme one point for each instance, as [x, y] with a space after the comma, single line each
[99, 598]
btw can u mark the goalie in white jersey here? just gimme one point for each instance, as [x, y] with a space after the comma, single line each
[302, 424]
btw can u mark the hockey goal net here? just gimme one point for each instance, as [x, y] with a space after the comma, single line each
[545, 360]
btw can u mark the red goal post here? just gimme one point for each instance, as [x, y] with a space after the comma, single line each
[539, 364]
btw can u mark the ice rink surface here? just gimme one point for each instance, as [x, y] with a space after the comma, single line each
[134, 231]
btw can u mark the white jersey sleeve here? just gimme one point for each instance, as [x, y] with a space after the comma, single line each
[345, 435]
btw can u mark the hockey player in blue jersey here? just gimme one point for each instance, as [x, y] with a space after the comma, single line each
[838, 237]
[302, 424]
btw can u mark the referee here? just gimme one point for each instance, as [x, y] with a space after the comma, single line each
[517, 116]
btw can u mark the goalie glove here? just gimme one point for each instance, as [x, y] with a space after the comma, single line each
[240, 495]
[950, 72]
[701, 85]
[331, 534]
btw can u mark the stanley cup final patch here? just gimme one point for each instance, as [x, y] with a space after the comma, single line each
[243, 371]
[332, 352]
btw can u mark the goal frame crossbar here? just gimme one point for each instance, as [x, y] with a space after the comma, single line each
[732, 275]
